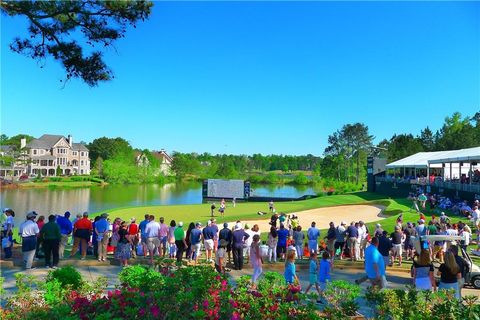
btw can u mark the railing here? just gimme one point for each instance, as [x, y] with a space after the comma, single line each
[437, 183]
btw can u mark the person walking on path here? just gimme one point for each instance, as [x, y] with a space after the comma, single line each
[101, 229]
[313, 234]
[374, 265]
[29, 232]
[66, 229]
[324, 271]
[123, 252]
[352, 233]
[256, 259]
[226, 234]
[313, 273]
[51, 236]
[239, 236]
[152, 230]
[180, 242]
[82, 230]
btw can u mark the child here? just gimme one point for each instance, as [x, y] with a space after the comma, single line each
[313, 273]
[256, 259]
[306, 251]
[291, 276]
[324, 273]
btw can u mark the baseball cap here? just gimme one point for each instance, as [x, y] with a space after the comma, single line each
[238, 226]
[343, 223]
[225, 225]
[31, 214]
[198, 224]
[180, 224]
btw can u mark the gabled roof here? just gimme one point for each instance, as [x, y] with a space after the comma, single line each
[162, 154]
[7, 148]
[79, 147]
[47, 141]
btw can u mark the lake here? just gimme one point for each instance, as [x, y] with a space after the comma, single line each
[94, 199]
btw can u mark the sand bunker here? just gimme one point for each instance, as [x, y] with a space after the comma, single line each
[323, 216]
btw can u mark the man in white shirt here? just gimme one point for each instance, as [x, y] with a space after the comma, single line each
[248, 242]
[362, 238]
[476, 220]
[29, 231]
[152, 230]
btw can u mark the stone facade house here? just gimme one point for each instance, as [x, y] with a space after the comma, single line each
[50, 152]
[162, 156]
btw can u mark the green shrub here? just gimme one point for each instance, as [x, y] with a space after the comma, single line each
[140, 277]
[271, 178]
[341, 299]
[67, 276]
[301, 179]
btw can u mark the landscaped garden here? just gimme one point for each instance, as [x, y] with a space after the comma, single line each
[171, 292]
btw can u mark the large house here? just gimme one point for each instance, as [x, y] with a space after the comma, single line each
[162, 156]
[49, 155]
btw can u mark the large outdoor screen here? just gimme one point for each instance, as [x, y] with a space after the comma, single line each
[219, 188]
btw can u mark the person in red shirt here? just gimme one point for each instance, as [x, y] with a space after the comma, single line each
[40, 223]
[82, 231]
[134, 236]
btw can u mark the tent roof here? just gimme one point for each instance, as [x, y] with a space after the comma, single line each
[470, 154]
[418, 160]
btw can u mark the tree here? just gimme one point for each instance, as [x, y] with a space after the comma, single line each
[16, 140]
[426, 139]
[54, 25]
[3, 139]
[109, 148]
[457, 133]
[402, 146]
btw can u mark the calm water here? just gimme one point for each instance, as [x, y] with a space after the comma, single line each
[94, 199]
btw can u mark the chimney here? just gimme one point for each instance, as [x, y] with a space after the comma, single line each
[70, 140]
[23, 143]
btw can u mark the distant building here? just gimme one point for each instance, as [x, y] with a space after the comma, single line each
[47, 154]
[164, 159]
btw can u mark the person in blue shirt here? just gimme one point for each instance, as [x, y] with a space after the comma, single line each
[313, 234]
[143, 235]
[66, 228]
[290, 273]
[282, 242]
[101, 230]
[195, 241]
[375, 265]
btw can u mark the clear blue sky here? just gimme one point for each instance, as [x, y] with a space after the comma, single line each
[268, 77]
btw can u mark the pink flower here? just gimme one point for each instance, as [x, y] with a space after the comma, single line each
[155, 311]
[236, 316]
[205, 303]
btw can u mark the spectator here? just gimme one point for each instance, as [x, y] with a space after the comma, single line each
[331, 237]
[163, 234]
[340, 238]
[374, 265]
[133, 236]
[248, 242]
[101, 230]
[256, 259]
[29, 232]
[143, 235]
[282, 242]
[272, 242]
[397, 238]
[220, 256]
[384, 247]
[50, 234]
[82, 231]
[7, 231]
[352, 233]
[181, 244]
[298, 238]
[409, 232]
[66, 229]
[196, 241]
[226, 234]
[313, 234]
[123, 251]
[450, 274]
[39, 248]
[152, 231]
[239, 236]
[362, 238]
[463, 265]
[422, 272]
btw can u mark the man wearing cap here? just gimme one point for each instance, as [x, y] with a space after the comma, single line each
[143, 235]
[29, 232]
[196, 241]
[50, 234]
[312, 234]
[180, 242]
[362, 238]
[238, 240]
[226, 234]
[340, 238]
[82, 230]
[397, 238]
[101, 229]
[66, 228]
[208, 235]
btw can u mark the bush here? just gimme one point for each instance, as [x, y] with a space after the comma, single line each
[140, 277]
[271, 178]
[301, 179]
[341, 298]
[67, 276]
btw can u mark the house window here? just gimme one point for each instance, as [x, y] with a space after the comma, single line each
[81, 154]
[34, 151]
[81, 162]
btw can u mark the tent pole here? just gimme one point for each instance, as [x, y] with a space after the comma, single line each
[470, 174]
[450, 171]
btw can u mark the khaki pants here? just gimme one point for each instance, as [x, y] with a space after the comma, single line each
[76, 243]
[63, 244]
[102, 248]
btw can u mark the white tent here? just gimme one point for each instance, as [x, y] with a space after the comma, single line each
[462, 155]
[419, 160]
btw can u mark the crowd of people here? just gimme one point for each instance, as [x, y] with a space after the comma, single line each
[231, 244]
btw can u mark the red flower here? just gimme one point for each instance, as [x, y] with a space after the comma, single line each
[155, 311]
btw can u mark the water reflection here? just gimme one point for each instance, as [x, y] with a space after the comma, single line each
[93, 199]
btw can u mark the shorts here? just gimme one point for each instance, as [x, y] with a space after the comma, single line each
[331, 245]
[312, 245]
[144, 239]
[408, 245]
[312, 278]
[153, 243]
[397, 250]
[208, 244]
[163, 241]
[172, 249]
[339, 245]
[281, 250]
[196, 249]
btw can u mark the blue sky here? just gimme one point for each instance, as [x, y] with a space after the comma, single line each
[267, 77]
